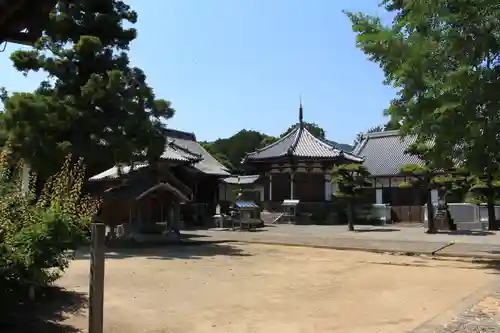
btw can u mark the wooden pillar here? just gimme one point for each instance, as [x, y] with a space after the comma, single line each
[195, 190]
[96, 285]
[177, 214]
[328, 187]
[270, 187]
[292, 184]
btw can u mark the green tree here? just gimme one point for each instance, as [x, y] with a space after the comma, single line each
[93, 104]
[311, 127]
[424, 175]
[267, 140]
[221, 157]
[232, 150]
[352, 180]
[443, 57]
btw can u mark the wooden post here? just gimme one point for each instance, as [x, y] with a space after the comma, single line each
[96, 285]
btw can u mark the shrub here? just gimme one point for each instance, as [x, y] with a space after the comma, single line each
[38, 234]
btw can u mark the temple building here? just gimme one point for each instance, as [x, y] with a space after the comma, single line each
[298, 166]
[385, 153]
[182, 186]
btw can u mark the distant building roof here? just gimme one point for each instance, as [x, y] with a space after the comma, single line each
[172, 152]
[301, 143]
[180, 147]
[385, 152]
[114, 172]
[238, 180]
[208, 164]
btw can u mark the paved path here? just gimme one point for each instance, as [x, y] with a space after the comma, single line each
[483, 317]
[478, 313]
[380, 239]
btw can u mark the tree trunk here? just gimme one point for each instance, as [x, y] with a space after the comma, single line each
[490, 203]
[350, 216]
[430, 214]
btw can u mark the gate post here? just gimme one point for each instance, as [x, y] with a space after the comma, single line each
[96, 285]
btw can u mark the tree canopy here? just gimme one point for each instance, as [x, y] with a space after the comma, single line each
[311, 127]
[352, 180]
[93, 103]
[230, 151]
[443, 57]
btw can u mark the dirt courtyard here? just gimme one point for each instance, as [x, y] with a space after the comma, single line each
[263, 288]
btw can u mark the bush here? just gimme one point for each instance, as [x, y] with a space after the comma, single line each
[38, 234]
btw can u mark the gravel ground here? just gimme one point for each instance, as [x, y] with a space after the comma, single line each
[263, 288]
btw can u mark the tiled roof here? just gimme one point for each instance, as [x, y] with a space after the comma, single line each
[113, 173]
[238, 180]
[175, 152]
[172, 152]
[137, 190]
[181, 147]
[385, 152]
[208, 164]
[301, 143]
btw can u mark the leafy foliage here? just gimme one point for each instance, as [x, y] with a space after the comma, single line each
[311, 127]
[352, 181]
[38, 234]
[231, 151]
[93, 104]
[443, 57]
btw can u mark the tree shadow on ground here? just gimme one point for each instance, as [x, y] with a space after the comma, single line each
[184, 249]
[491, 266]
[466, 233]
[191, 236]
[52, 306]
[377, 230]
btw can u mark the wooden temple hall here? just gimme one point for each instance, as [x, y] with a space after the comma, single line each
[183, 186]
[298, 167]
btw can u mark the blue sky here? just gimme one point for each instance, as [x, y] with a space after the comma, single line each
[233, 64]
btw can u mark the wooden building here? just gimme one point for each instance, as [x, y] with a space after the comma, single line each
[384, 154]
[184, 183]
[298, 166]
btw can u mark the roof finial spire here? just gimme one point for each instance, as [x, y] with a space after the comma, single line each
[301, 112]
